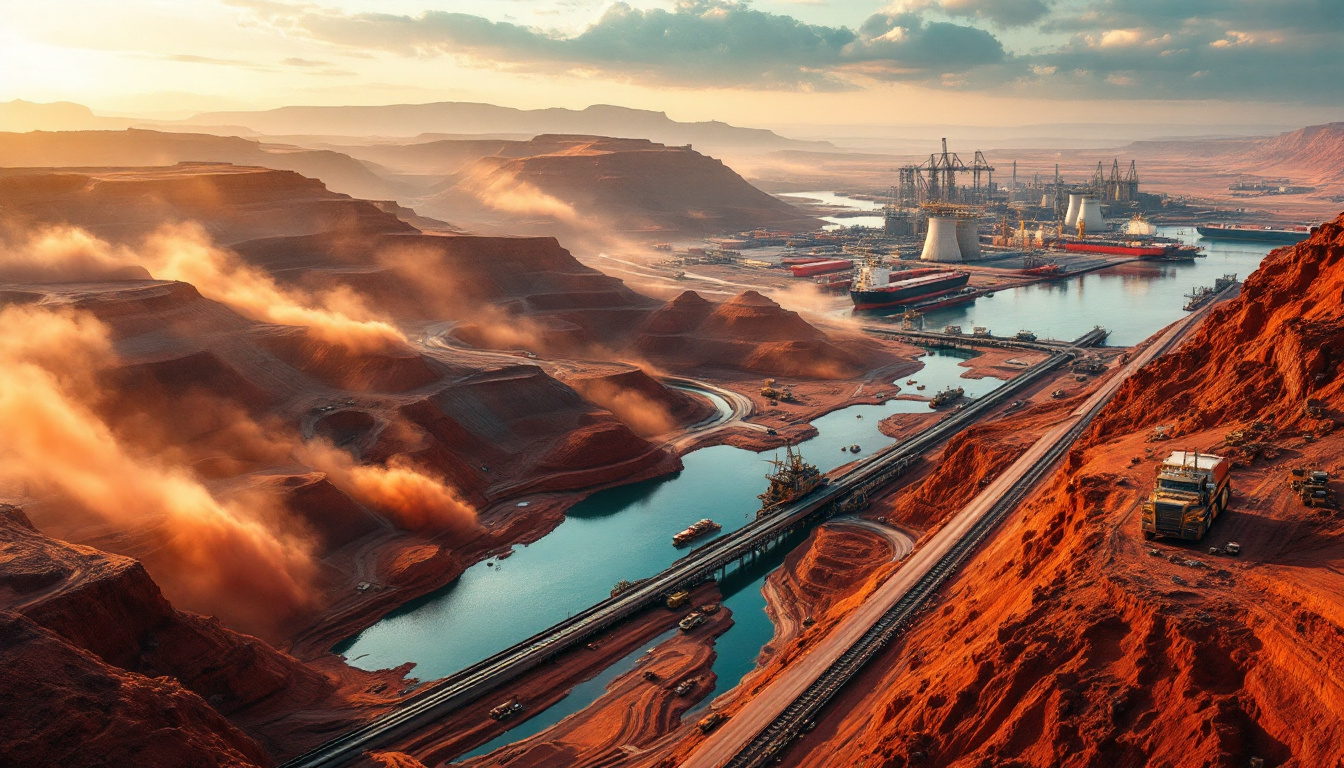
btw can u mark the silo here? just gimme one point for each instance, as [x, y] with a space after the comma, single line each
[1090, 215]
[1075, 207]
[968, 238]
[941, 242]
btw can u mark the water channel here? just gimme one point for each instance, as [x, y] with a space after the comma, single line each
[625, 532]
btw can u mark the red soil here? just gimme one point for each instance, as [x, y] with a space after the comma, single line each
[749, 332]
[633, 711]
[1064, 642]
[627, 185]
[89, 632]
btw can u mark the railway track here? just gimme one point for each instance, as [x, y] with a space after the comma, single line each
[698, 566]
[783, 728]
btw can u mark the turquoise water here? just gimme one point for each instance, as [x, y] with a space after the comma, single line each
[618, 533]
[837, 222]
[1132, 300]
[625, 532]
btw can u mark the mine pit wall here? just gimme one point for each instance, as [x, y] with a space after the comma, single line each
[1065, 643]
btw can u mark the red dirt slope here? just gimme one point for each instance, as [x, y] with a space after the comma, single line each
[630, 186]
[134, 147]
[1070, 641]
[87, 630]
[748, 332]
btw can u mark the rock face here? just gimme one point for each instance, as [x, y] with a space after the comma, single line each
[628, 186]
[234, 204]
[132, 147]
[1070, 641]
[748, 332]
[94, 655]
[1314, 153]
[1259, 357]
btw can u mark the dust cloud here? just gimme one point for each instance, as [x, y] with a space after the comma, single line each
[239, 558]
[407, 494]
[507, 194]
[184, 252]
[643, 415]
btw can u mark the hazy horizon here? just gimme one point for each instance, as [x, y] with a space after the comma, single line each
[912, 63]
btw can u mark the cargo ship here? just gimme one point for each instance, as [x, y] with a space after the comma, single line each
[1146, 250]
[874, 288]
[695, 531]
[1259, 234]
[792, 479]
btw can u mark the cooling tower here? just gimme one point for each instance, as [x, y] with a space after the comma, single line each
[1075, 207]
[941, 242]
[1090, 215]
[968, 239]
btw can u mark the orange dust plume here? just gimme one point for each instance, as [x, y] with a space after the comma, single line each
[506, 193]
[644, 416]
[235, 558]
[405, 493]
[184, 252]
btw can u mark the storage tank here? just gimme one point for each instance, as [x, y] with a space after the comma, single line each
[1090, 215]
[968, 238]
[941, 242]
[1075, 207]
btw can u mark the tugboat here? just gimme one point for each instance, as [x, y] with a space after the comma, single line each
[792, 479]
[946, 396]
[695, 531]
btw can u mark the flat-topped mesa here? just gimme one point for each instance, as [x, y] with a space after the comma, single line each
[234, 204]
[591, 185]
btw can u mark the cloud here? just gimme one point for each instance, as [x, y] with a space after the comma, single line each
[1285, 50]
[696, 43]
[1001, 13]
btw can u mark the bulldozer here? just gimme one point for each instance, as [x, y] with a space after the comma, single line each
[1312, 487]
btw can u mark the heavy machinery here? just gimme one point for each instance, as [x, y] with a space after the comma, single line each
[792, 479]
[1312, 487]
[711, 721]
[678, 599]
[1191, 489]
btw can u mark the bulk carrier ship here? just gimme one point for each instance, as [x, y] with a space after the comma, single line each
[1259, 234]
[874, 288]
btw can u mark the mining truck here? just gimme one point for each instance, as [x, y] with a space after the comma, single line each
[1192, 488]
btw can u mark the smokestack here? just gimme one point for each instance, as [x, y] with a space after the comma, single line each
[1075, 208]
[941, 242]
[1089, 214]
[968, 238]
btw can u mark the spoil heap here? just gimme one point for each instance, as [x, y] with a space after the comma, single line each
[748, 332]
[1065, 642]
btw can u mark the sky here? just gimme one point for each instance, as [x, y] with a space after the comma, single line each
[763, 63]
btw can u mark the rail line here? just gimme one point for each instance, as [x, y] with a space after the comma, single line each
[784, 727]
[698, 566]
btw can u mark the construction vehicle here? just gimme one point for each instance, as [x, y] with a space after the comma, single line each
[685, 686]
[506, 710]
[678, 599]
[792, 479]
[770, 391]
[1191, 489]
[691, 621]
[711, 721]
[946, 396]
[1024, 336]
[1312, 487]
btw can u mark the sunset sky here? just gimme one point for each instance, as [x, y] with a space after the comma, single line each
[769, 62]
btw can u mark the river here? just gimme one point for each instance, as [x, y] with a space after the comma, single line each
[625, 532]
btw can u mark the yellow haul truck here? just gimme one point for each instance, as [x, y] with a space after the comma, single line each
[1192, 488]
